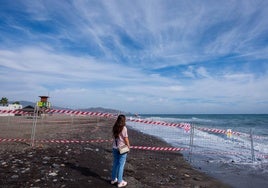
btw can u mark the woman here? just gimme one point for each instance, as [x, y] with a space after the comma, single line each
[120, 138]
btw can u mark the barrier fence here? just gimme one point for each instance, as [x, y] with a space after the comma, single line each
[184, 137]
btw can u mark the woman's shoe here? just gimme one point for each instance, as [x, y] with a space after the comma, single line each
[114, 181]
[122, 184]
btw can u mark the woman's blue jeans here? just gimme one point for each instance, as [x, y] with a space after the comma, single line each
[118, 165]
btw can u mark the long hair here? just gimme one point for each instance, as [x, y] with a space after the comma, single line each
[119, 125]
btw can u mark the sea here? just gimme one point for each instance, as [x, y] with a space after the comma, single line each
[230, 147]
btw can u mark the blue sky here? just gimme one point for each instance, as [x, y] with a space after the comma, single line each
[147, 56]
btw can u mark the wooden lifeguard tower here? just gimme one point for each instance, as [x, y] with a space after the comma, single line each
[40, 109]
[43, 103]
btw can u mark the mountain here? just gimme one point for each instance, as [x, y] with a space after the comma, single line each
[100, 109]
[92, 109]
[28, 103]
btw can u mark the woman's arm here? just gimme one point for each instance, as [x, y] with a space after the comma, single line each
[127, 141]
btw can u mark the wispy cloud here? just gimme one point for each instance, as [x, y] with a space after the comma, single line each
[140, 56]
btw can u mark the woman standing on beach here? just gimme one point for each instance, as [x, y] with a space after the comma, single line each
[120, 138]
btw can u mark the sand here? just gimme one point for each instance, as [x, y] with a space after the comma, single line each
[87, 164]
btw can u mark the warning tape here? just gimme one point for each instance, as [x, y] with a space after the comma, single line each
[55, 141]
[158, 148]
[219, 131]
[91, 141]
[74, 112]
[180, 125]
[148, 148]
[185, 126]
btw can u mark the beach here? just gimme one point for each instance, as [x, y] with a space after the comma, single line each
[63, 163]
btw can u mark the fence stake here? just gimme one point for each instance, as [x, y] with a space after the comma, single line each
[252, 146]
[191, 142]
[36, 112]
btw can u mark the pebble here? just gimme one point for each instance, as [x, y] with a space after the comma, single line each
[53, 174]
[187, 175]
[46, 158]
[38, 180]
[90, 149]
[197, 179]
[54, 165]
[15, 176]
[172, 177]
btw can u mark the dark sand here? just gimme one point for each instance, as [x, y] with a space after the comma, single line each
[89, 164]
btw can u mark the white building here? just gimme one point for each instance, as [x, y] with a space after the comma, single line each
[9, 107]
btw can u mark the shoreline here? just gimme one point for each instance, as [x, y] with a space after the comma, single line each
[89, 164]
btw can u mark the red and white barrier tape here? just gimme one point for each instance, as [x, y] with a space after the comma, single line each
[72, 112]
[185, 126]
[54, 141]
[149, 148]
[219, 131]
[158, 148]
[90, 141]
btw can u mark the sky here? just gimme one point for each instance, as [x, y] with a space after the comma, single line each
[148, 56]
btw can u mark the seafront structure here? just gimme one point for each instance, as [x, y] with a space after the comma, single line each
[10, 107]
[43, 105]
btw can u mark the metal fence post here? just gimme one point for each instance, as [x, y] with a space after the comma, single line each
[252, 146]
[36, 113]
[191, 142]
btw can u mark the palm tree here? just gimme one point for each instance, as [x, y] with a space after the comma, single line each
[4, 101]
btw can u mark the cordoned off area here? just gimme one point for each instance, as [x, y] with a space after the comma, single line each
[75, 151]
[191, 140]
[53, 129]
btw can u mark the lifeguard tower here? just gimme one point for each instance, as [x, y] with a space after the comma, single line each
[40, 109]
[43, 104]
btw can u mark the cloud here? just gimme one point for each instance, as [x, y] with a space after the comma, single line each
[143, 56]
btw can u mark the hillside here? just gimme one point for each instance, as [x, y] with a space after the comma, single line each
[90, 109]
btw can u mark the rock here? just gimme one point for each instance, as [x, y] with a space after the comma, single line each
[54, 165]
[197, 179]
[46, 158]
[24, 170]
[187, 175]
[52, 174]
[172, 177]
[37, 180]
[15, 176]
